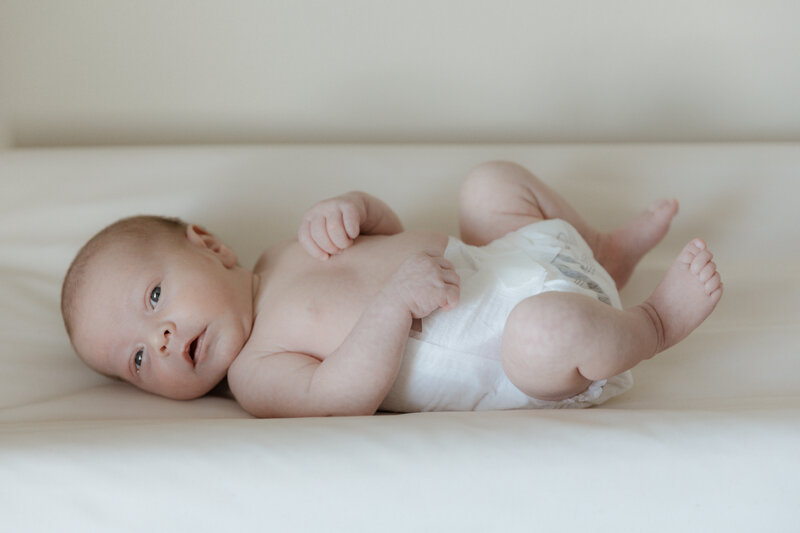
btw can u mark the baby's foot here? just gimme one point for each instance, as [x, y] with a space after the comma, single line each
[688, 293]
[620, 250]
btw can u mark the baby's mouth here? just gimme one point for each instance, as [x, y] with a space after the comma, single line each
[193, 349]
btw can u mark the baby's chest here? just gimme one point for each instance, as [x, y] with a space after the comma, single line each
[313, 314]
[310, 306]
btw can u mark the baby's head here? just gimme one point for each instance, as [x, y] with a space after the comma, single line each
[159, 303]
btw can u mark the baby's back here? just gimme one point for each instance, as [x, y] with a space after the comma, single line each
[309, 306]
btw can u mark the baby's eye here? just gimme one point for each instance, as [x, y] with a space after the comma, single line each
[154, 296]
[137, 360]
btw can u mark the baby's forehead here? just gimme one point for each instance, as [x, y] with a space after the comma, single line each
[114, 267]
[119, 253]
[121, 263]
[137, 248]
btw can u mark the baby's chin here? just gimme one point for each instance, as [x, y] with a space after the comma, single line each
[186, 393]
[196, 388]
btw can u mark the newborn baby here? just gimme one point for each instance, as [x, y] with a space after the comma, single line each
[356, 315]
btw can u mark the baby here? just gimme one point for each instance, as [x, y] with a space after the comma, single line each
[356, 315]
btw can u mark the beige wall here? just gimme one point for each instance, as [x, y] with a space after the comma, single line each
[188, 71]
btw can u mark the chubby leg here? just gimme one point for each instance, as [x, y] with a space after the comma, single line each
[555, 344]
[499, 197]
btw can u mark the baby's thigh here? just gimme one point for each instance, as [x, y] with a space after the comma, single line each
[496, 199]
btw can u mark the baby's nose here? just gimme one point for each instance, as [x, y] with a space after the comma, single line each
[164, 335]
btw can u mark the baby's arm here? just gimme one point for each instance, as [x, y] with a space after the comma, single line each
[355, 378]
[332, 225]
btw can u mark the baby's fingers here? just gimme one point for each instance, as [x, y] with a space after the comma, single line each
[452, 285]
[319, 233]
[451, 277]
[307, 242]
[351, 218]
[452, 295]
[336, 231]
[441, 261]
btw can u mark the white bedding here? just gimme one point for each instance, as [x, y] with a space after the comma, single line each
[707, 440]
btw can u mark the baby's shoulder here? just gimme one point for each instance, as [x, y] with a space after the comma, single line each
[273, 254]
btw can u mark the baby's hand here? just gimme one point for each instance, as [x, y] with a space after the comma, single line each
[425, 283]
[332, 225]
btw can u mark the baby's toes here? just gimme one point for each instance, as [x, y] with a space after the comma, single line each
[708, 271]
[713, 283]
[690, 251]
[700, 261]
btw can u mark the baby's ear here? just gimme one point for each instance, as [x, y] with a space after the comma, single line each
[200, 237]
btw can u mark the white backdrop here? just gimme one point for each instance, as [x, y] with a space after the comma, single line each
[201, 71]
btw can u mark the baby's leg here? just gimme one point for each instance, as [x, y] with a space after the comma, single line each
[556, 344]
[499, 197]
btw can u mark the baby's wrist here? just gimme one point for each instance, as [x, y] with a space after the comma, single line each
[389, 300]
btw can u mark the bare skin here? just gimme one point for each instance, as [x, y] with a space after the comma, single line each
[362, 321]
[332, 310]
[499, 197]
[556, 344]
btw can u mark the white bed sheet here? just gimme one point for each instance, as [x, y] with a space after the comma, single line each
[708, 439]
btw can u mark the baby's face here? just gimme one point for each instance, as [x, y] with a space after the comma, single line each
[169, 318]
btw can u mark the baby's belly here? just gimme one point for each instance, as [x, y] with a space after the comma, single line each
[323, 314]
[311, 306]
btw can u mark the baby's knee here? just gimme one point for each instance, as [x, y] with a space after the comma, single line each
[542, 343]
[546, 321]
[484, 178]
[497, 188]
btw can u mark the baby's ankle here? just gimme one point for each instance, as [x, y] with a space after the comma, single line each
[655, 321]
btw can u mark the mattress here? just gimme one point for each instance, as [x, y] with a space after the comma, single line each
[708, 438]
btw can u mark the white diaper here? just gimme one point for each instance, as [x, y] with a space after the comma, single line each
[454, 364]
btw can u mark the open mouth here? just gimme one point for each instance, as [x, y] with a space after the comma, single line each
[193, 349]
